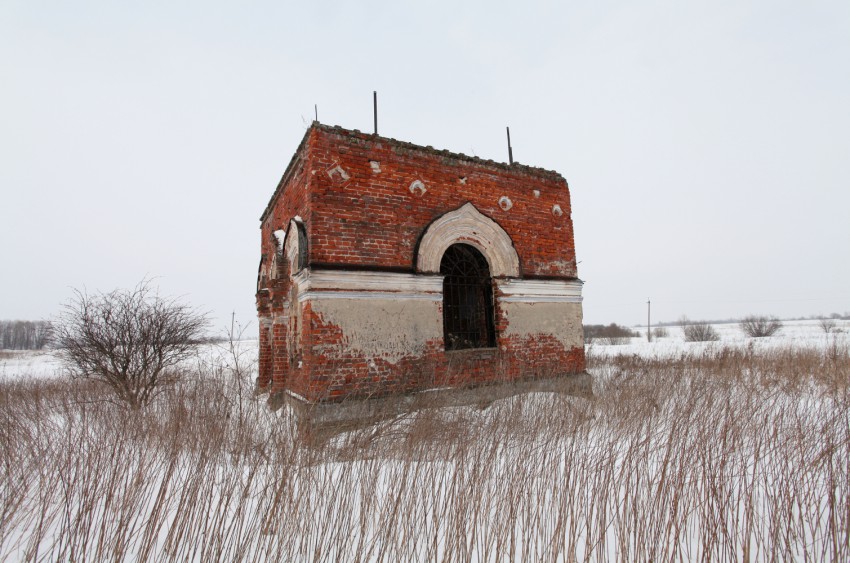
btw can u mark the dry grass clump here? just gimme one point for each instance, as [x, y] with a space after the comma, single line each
[725, 454]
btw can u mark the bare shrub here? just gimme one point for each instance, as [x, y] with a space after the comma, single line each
[828, 325]
[660, 332]
[608, 334]
[131, 340]
[756, 326]
[698, 331]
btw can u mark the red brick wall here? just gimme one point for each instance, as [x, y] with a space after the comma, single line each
[266, 359]
[291, 199]
[344, 214]
[372, 220]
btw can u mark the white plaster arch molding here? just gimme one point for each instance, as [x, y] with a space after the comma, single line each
[469, 226]
[295, 246]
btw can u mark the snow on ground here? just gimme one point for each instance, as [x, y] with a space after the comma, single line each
[42, 364]
[807, 333]
[16, 364]
[589, 480]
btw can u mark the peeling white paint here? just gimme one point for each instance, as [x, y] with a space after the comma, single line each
[536, 193]
[561, 267]
[556, 210]
[280, 237]
[559, 320]
[337, 173]
[387, 329]
[418, 185]
[376, 166]
[292, 249]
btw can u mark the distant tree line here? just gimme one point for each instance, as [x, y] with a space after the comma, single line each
[24, 335]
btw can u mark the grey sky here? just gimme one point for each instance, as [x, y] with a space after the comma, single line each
[707, 144]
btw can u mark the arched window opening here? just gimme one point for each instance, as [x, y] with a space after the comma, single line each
[468, 318]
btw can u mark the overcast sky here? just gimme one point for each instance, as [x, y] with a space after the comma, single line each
[706, 144]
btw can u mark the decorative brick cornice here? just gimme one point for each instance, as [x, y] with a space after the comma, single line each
[359, 137]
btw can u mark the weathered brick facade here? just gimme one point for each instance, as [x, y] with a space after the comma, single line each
[350, 290]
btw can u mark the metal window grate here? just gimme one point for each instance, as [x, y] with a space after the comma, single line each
[468, 320]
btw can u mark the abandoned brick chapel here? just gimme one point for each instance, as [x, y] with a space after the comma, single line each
[389, 268]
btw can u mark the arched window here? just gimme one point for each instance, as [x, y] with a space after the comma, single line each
[467, 299]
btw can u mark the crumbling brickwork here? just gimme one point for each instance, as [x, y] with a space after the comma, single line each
[350, 290]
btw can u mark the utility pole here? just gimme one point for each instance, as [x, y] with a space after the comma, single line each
[648, 324]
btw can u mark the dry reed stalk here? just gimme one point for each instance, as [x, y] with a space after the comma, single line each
[722, 454]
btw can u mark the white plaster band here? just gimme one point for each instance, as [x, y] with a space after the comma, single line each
[384, 295]
[346, 280]
[540, 291]
[540, 299]
[346, 284]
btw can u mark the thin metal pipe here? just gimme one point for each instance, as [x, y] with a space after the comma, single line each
[375, 108]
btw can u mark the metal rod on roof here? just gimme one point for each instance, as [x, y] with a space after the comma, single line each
[316, 107]
[375, 106]
[510, 150]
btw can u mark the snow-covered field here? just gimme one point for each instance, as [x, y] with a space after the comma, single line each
[793, 333]
[724, 451]
[27, 364]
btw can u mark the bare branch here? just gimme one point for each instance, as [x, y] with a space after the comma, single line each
[756, 326]
[131, 340]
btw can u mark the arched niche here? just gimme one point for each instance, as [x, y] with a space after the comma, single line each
[469, 226]
[295, 246]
